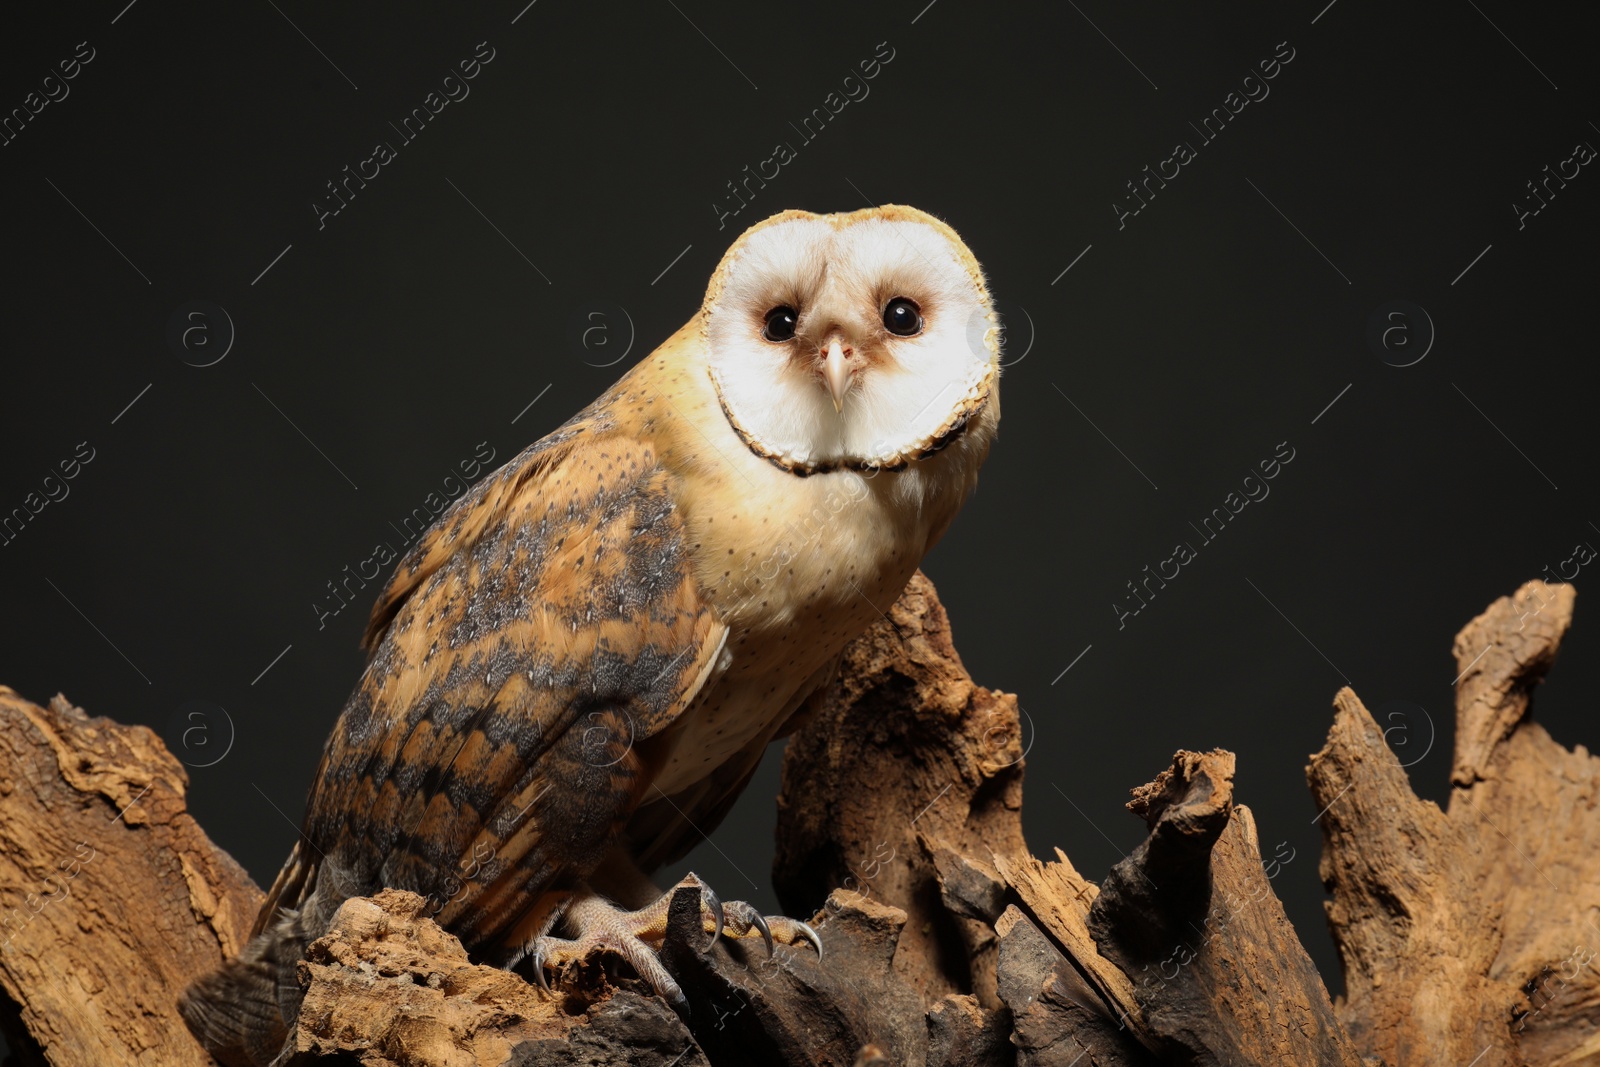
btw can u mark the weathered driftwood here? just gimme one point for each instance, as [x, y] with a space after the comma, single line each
[946, 942]
[387, 986]
[905, 790]
[1195, 899]
[112, 899]
[1470, 935]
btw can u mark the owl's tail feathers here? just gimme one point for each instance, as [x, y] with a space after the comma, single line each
[234, 1011]
[243, 1011]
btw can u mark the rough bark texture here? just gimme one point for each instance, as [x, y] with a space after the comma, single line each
[1194, 899]
[112, 898]
[388, 988]
[1470, 935]
[907, 788]
[1466, 936]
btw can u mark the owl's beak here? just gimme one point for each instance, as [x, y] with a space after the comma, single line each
[836, 372]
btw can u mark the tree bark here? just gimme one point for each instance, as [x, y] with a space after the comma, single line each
[112, 899]
[1468, 936]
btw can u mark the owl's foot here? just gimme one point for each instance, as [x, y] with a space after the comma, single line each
[599, 924]
[636, 936]
[745, 921]
[735, 919]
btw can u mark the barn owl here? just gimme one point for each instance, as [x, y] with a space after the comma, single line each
[575, 672]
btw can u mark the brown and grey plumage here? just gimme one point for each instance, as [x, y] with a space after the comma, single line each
[577, 669]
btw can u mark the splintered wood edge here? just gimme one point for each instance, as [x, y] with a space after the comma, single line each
[1057, 898]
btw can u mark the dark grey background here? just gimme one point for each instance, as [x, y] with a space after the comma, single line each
[378, 352]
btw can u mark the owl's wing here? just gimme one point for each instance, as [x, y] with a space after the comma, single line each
[528, 654]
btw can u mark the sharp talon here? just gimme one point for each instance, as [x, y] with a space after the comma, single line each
[538, 969]
[711, 901]
[766, 933]
[812, 934]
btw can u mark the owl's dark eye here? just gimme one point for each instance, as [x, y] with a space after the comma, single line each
[780, 324]
[902, 317]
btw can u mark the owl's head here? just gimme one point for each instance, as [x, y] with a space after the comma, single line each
[864, 340]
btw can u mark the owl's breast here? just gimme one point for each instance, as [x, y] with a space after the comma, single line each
[796, 571]
[795, 566]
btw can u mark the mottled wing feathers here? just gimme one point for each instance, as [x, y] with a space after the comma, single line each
[465, 522]
[528, 652]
